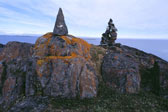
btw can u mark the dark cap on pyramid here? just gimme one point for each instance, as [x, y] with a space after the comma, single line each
[60, 26]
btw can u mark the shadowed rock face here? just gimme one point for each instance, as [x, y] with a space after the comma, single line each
[1, 47]
[60, 26]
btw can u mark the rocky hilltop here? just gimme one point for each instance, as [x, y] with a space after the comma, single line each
[60, 65]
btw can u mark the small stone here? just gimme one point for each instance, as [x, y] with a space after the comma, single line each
[60, 26]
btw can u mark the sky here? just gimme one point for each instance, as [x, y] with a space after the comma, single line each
[147, 19]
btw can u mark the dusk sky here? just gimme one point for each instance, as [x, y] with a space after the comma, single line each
[87, 18]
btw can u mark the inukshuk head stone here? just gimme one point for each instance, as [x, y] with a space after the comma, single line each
[110, 35]
[60, 26]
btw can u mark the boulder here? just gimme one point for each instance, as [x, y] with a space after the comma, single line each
[130, 70]
[64, 67]
[121, 72]
[60, 26]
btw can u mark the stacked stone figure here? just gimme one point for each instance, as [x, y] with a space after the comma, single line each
[109, 37]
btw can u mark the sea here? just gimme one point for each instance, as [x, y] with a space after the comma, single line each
[152, 46]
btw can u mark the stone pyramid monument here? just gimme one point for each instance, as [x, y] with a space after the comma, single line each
[60, 26]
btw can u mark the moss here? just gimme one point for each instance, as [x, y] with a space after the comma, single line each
[112, 101]
[97, 54]
[150, 79]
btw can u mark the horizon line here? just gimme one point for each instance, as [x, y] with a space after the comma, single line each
[98, 37]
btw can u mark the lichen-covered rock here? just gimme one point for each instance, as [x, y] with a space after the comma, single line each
[64, 67]
[121, 72]
[18, 76]
[128, 69]
[13, 50]
[18, 80]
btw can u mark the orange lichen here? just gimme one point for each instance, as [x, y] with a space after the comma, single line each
[73, 55]
[48, 35]
[40, 46]
[39, 73]
[115, 57]
[43, 48]
[40, 62]
[47, 58]
[68, 41]
[83, 46]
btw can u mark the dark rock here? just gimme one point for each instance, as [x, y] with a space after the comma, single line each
[60, 26]
[1, 47]
[150, 79]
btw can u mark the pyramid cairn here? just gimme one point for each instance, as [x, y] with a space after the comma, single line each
[60, 26]
[109, 37]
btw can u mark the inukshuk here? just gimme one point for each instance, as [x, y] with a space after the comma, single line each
[110, 35]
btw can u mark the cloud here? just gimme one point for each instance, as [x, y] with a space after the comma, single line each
[90, 17]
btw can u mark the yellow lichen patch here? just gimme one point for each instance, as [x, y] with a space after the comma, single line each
[83, 46]
[62, 57]
[39, 74]
[40, 62]
[68, 41]
[39, 47]
[115, 57]
[48, 35]
[83, 43]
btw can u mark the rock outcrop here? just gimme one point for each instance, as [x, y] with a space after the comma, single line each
[129, 70]
[64, 67]
[60, 26]
[56, 66]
